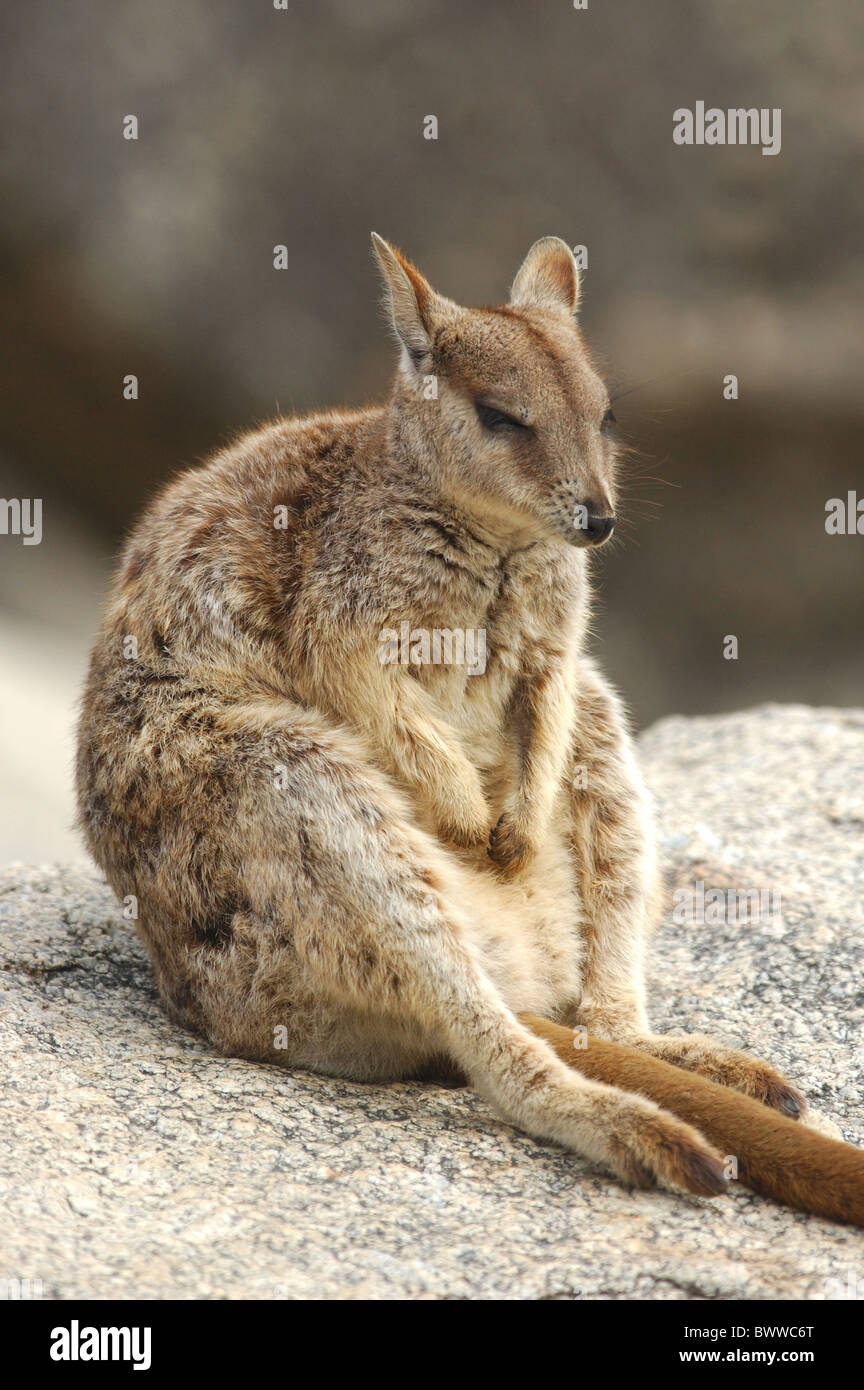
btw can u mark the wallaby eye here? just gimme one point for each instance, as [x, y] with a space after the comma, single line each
[494, 419]
[608, 421]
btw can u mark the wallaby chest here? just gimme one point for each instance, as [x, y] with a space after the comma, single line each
[532, 618]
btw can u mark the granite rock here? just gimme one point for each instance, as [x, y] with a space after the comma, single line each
[134, 1163]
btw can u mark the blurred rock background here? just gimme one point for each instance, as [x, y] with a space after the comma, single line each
[304, 127]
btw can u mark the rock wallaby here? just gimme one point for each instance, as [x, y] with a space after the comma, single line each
[379, 810]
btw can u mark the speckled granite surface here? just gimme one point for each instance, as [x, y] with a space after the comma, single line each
[134, 1163]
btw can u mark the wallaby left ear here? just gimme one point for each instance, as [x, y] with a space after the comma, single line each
[548, 278]
[410, 298]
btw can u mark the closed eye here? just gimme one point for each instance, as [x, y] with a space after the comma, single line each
[493, 419]
[608, 421]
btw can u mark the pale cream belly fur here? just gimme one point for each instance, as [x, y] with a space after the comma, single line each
[526, 937]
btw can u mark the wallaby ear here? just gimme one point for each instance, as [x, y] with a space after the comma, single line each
[548, 278]
[409, 298]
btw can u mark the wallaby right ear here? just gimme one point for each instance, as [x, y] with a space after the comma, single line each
[548, 278]
[409, 298]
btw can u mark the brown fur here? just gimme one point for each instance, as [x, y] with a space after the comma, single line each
[365, 868]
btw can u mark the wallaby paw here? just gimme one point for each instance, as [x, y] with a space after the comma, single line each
[462, 835]
[509, 847]
[465, 826]
[657, 1150]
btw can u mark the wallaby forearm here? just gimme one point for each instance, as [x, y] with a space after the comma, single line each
[399, 720]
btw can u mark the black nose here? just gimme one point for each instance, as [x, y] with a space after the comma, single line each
[597, 528]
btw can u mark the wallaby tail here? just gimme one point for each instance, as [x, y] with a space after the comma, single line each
[776, 1156]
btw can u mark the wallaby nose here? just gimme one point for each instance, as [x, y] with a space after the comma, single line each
[598, 528]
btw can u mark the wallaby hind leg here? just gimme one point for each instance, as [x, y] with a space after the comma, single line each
[355, 937]
[612, 842]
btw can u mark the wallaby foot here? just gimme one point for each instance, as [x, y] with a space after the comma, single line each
[656, 1149]
[726, 1066]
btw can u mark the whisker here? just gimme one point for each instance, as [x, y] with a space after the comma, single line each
[652, 381]
[651, 478]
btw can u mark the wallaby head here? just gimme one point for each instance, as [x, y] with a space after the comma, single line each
[504, 402]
